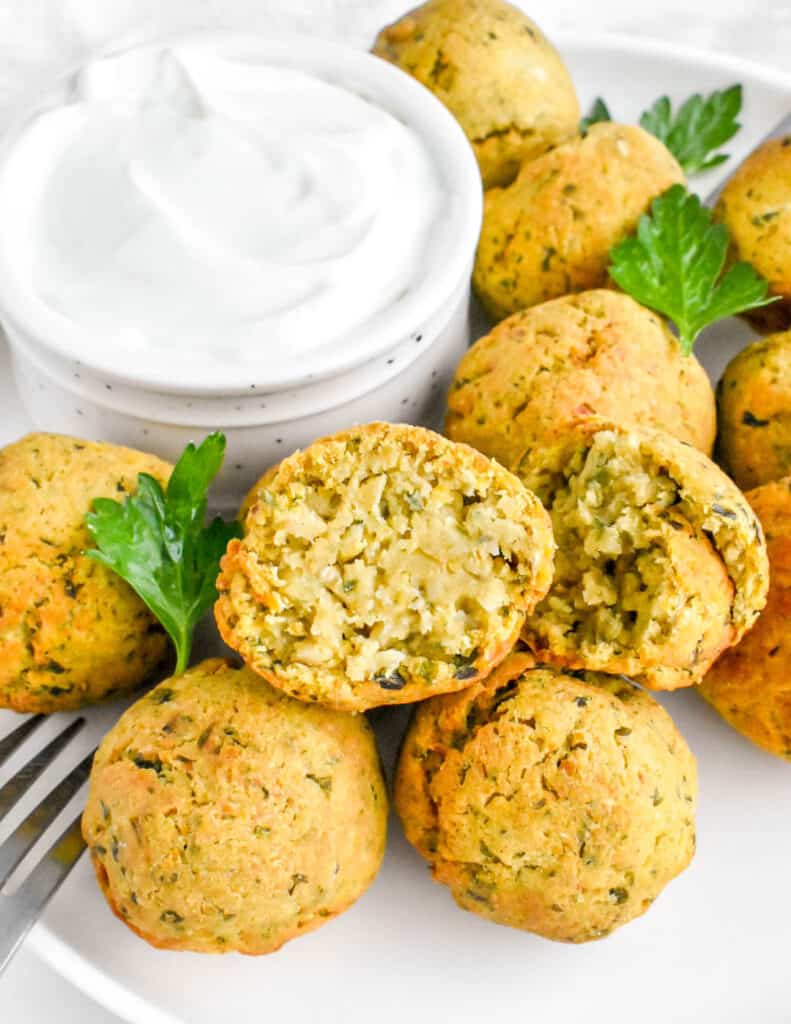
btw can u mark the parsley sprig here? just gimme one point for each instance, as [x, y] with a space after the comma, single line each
[697, 130]
[158, 542]
[694, 133]
[598, 113]
[675, 262]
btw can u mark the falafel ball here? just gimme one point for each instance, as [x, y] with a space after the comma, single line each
[661, 562]
[595, 352]
[555, 804]
[754, 402]
[383, 565]
[750, 685]
[71, 630]
[755, 207]
[495, 71]
[224, 816]
[551, 231]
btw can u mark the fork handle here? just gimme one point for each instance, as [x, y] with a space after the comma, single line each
[20, 910]
[15, 922]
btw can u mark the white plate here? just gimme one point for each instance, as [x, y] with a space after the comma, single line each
[713, 948]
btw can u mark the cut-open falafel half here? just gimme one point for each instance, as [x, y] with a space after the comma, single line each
[661, 562]
[383, 565]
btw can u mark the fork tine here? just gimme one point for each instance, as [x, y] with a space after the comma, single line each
[16, 786]
[28, 832]
[15, 739]
[24, 907]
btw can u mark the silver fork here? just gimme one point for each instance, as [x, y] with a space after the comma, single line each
[20, 909]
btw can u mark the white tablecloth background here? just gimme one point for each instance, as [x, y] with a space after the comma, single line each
[39, 37]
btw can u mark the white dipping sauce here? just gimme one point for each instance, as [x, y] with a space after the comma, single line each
[195, 203]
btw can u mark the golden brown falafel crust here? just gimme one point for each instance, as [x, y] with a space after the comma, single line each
[661, 562]
[595, 352]
[383, 565]
[495, 71]
[224, 816]
[559, 805]
[754, 403]
[71, 631]
[755, 206]
[551, 231]
[750, 685]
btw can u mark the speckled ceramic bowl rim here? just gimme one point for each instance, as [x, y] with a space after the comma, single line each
[379, 81]
[253, 408]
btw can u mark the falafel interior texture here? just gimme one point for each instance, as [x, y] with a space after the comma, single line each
[224, 816]
[561, 805]
[71, 630]
[383, 565]
[661, 564]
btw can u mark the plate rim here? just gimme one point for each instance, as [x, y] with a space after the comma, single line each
[656, 47]
[93, 982]
[43, 941]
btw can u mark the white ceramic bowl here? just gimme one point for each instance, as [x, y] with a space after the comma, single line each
[396, 370]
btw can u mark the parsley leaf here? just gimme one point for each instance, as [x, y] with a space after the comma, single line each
[698, 129]
[158, 542]
[674, 265]
[599, 112]
[694, 133]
